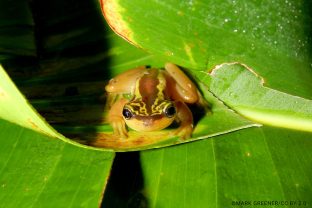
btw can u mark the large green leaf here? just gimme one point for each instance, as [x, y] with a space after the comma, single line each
[15, 109]
[76, 55]
[38, 166]
[272, 38]
[192, 49]
[255, 164]
[244, 92]
[36, 161]
[41, 171]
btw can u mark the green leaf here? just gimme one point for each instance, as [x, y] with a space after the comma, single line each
[255, 164]
[76, 55]
[14, 108]
[272, 38]
[38, 166]
[36, 160]
[41, 171]
[228, 38]
[244, 92]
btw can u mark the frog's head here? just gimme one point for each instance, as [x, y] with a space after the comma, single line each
[140, 116]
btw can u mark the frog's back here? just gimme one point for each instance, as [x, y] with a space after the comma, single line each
[150, 89]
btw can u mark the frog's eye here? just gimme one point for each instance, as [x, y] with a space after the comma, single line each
[127, 114]
[170, 111]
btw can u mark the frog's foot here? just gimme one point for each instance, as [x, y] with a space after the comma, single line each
[184, 131]
[119, 128]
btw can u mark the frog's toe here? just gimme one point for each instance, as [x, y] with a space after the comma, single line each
[119, 128]
[184, 132]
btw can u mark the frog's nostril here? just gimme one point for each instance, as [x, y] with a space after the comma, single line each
[148, 122]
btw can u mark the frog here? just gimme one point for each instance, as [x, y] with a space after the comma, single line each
[156, 98]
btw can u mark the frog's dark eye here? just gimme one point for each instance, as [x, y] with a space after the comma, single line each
[170, 111]
[127, 114]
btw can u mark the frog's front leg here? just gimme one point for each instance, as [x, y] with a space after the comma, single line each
[185, 118]
[184, 89]
[116, 120]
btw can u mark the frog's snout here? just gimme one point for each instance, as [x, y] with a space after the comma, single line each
[148, 122]
[110, 87]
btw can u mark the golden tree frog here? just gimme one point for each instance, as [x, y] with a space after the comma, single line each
[157, 98]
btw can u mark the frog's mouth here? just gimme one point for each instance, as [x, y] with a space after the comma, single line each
[149, 123]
